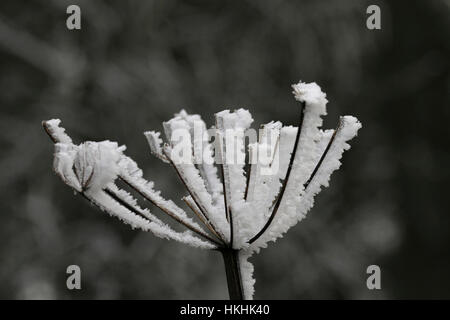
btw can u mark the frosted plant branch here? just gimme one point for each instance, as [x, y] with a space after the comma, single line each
[324, 154]
[286, 179]
[204, 188]
[194, 196]
[57, 135]
[193, 206]
[238, 211]
[160, 203]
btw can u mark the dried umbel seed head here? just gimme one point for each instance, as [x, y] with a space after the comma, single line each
[240, 210]
[88, 166]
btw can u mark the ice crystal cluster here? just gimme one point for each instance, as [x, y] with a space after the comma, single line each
[243, 195]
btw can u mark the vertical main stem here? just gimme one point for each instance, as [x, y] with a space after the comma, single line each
[233, 272]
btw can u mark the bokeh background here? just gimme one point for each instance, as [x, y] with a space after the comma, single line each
[135, 63]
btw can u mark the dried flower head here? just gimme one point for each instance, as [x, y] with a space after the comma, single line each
[238, 211]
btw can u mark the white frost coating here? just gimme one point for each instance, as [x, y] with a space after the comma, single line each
[210, 201]
[91, 165]
[310, 93]
[304, 200]
[191, 203]
[263, 155]
[304, 161]
[155, 142]
[96, 163]
[239, 118]
[63, 164]
[321, 145]
[56, 131]
[196, 129]
[109, 205]
[203, 156]
[133, 176]
[131, 201]
[205, 219]
[315, 107]
[348, 129]
[231, 128]
[265, 182]
[248, 282]
[281, 160]
[286, 146]
[191, 176]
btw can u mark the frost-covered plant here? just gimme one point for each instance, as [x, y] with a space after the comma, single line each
[240, 207]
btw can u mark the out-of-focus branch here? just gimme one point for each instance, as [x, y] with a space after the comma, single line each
[52, 61]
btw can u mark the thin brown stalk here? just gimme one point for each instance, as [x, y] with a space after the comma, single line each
[125, 204]
[192, 194]
[168, 212]
[324, 154]
[203, 219]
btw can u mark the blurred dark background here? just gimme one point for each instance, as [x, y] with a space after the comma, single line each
[135, 63]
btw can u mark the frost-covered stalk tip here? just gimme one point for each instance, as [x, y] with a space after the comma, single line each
[237, 212]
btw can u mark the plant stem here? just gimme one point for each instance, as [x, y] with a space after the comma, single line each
[233, 272]
[193, 195]
[286, 179]
[324, 154]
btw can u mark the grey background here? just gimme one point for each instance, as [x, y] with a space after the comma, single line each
[135, 63]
